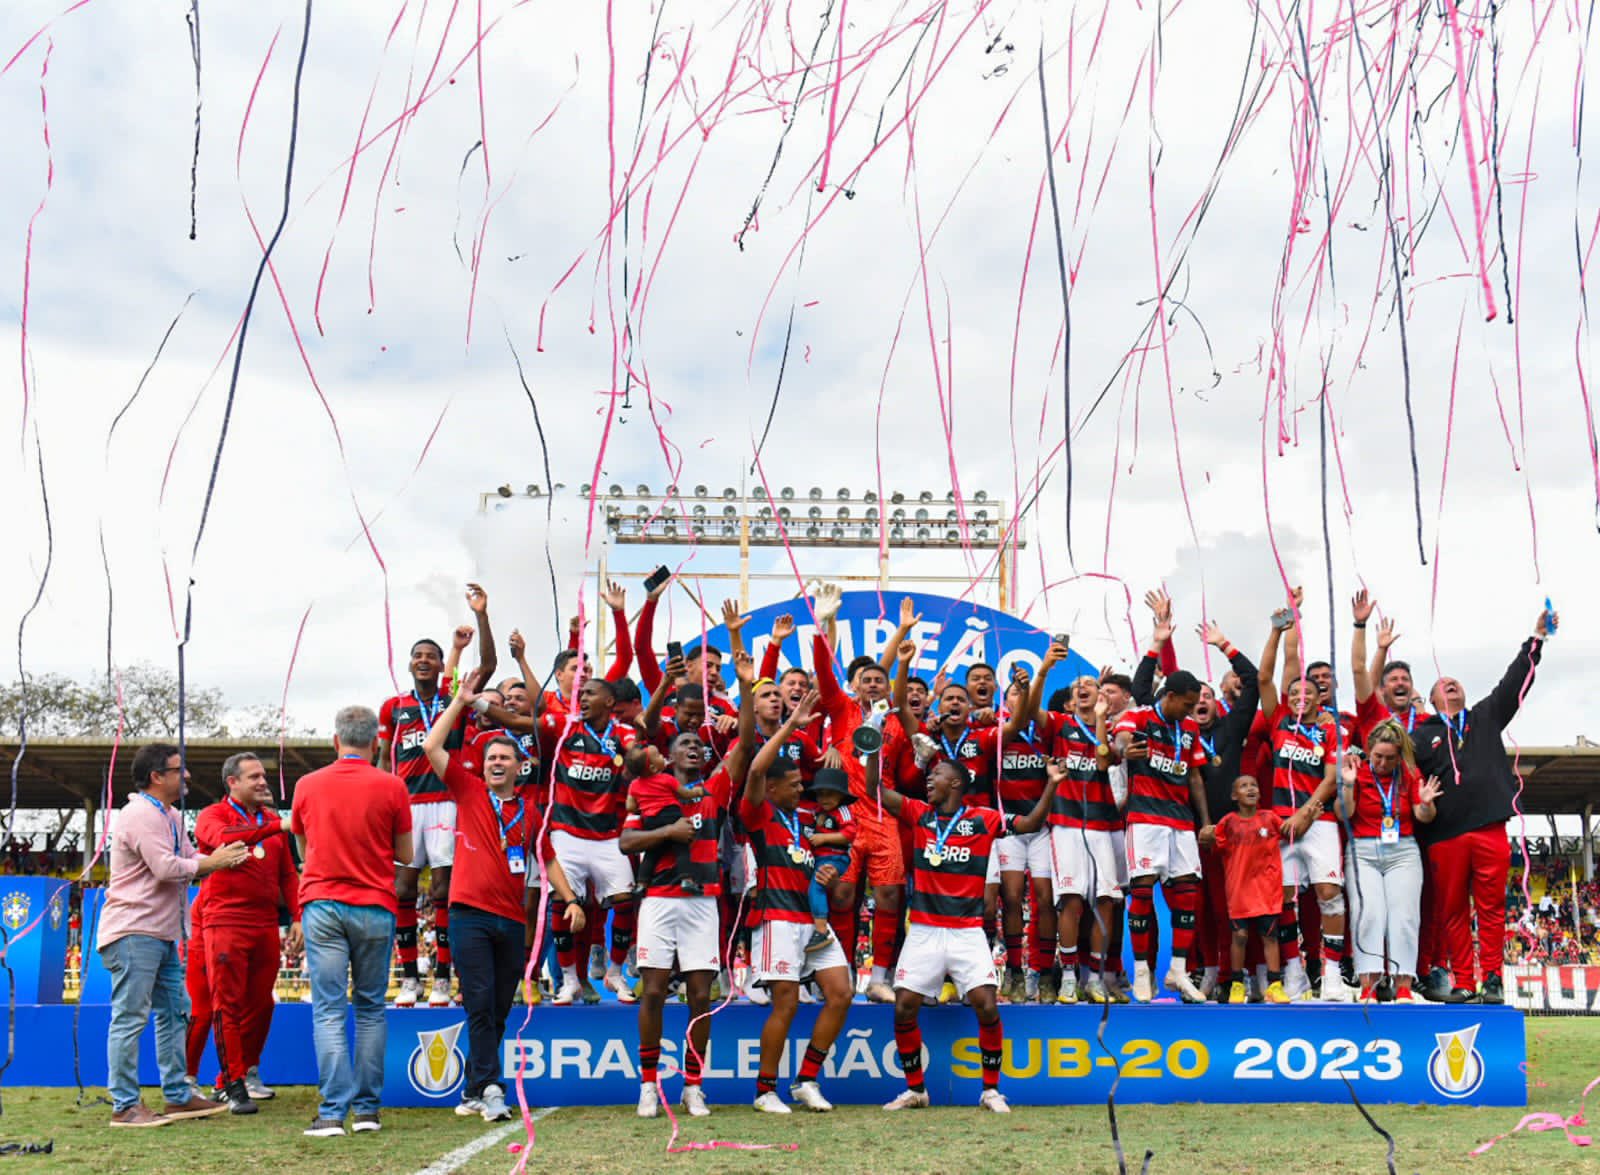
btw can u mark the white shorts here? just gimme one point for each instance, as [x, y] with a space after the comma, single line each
[1028, 853]
[932, 952]
[1119, 845]
[991, 874]
[594, 868]
[1313, 859]
[1085, 863]
[1162, 851]
[433, 834]
[778, 953]
[684, 929]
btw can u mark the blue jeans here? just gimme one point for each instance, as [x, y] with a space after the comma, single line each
[145, 974]
[819, 892]
[348, 948]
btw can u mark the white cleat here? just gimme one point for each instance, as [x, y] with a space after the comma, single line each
[758, 995]
[909, 1099]
[439, 995]
[568, 993]
[649, 1101]
[880, 992]
[694, 1102]
[1334, 990]
[807, 996]
[809, 1095]
[1295, 981]
[1143, 990]
[771, 1103]
[1178, 980]
[617, 982]
[994, 1100]
[410, 991]
[1069, 990]
[1094, 992]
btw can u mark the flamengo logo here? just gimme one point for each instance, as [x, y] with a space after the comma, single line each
[1455, 1067]
[436, 1066]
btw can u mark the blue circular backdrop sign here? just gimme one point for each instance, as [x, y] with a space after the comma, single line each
[952, 636]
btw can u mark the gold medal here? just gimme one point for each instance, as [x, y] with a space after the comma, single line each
[797, 854]
[934, 857]
[258, 852]
[616, 760]
[1216, 760]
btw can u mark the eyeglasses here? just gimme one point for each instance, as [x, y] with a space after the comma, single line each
[169, 770]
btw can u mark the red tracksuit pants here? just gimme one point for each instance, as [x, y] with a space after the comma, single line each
[1469, 877]
[199, 985]
[242, 963]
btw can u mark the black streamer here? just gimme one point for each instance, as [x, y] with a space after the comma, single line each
[788, 336]
[549, 481]
[233, 379]
[22, 628]
[193, 21]
[1066, 301]
[1494, 155]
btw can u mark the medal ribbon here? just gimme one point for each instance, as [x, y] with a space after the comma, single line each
[940, 835]
[791, 824]
[608, 745]
[260, 819]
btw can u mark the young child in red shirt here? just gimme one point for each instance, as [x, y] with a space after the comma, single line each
[656, 794]
[1248, 839]
[835, 833]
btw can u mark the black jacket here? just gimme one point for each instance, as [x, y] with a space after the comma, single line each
[1479, 784]
[1227, 733]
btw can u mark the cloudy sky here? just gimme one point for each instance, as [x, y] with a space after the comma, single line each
[1227, 157]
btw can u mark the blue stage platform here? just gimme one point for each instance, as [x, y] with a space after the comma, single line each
[1437, 1054]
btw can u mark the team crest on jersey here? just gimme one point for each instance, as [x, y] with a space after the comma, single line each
[969, 750]
[964, 828]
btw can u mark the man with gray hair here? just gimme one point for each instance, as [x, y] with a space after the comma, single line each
[241, 912]
[353, 823]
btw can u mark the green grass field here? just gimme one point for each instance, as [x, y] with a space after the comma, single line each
[1564, 1055]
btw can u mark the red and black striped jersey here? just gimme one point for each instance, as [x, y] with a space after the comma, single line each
[837, 821]
[706, 814]
[590, 791]
[1158, 787]
[403, 722]
[948, 877]
[974, 749]
[1300, 753]
[1084, 799]
[717, 744]
[1024, 760]
[784, 861]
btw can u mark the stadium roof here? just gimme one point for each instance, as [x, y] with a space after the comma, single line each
[63, 772]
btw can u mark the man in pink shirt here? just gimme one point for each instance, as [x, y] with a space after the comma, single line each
[146, 911]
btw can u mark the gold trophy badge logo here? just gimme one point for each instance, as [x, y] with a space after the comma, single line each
[436, 1065]
[1455, 1067]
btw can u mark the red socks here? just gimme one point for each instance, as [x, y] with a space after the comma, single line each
[884, 925]
[812, 1064]
[990, 1042]
[1142, 921]
[908, 1042]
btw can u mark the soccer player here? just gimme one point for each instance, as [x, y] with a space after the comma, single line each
[953, 843]
[403, 724]
[781, 956]
[498, 827]
[241, 908]
[1166, 802]
[1304, 776]
[586, 811]
[1247, 846]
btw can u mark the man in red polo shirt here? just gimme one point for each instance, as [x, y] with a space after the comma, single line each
[241, 906]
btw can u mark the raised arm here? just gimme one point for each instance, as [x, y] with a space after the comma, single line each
[433, 745]
[1387, 636]
[1055, 772]
[828, 599]
[1501, 706]
[1425, 809]
[488, 656]
[1293, 666]
[459, 640]
[644, 650]
[755, 786]
[744, 667]
[909, 618]
[1236, 723]
[650, 721]
[834, 702]
[1281, 619]
[782, 630]
[1361, 606]
[905, 653]
[530, 681]
[886, 797]
[1029, 710]
[734, 623]
[616, 598]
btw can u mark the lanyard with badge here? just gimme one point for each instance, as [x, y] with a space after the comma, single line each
[1389, 829]
[258, 851]
[935, 852]
[516, 855]
[791, 825]
[162, 808]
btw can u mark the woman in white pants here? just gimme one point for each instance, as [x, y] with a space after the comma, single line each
[1383, 798]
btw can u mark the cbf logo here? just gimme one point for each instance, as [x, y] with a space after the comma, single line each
[57, 910]
[436, 1065]
[15, 909]
[1455, 1067]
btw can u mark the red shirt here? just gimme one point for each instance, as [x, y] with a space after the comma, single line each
[590, 790]
[654, 794]
[785, 882]
[1367, 800]
[1251, 862]
[248, 894]
[706, 814]
[1023, 760]
[974, 749]
[835, 822]
[1373, 712]
[1084, 799]
[1158, 787]
[481, 876]
[403, 722]
[350, 813]
[1300, 752]
[950, 893]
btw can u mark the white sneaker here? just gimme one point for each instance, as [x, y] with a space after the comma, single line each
[809, 1095]
[993, 1099]
[649, 1101]
[923, 750]
[439, 996]
[1295, 982]
[758, 995]
[1334, 990]
[597, 962]
[1178, 980]
[807, 996]
[410, 991]
[253, 1086]
[614, 981]
[694, 1102]
[494, 1104]
[771, 1103]
[1143, 990]
[909, 1099]
[568, 993]
[469, 1107]
[880, 993]
[1068, 993]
